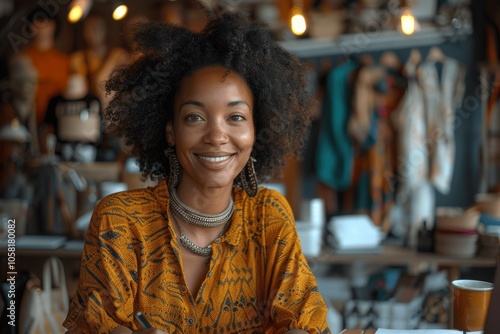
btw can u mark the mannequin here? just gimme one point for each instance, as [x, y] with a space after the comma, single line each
[89, 61]
[75, 118]
[18, 110]
[51, 64]
[20, 104]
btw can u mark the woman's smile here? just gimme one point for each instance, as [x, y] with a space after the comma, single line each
[215, 162]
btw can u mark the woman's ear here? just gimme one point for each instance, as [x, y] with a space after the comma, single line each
[169, 132]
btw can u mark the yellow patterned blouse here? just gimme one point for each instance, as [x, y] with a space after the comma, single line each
[258, 280]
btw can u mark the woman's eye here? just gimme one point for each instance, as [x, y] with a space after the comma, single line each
[193, 118]
[237, 118]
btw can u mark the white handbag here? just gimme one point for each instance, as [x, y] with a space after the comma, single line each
[43, 310]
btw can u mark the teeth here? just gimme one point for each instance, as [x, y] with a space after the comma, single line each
[214, 159]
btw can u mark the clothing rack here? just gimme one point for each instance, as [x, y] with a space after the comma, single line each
[349, 44]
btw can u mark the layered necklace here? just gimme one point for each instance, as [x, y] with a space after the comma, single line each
[191, 246]
[199, 219]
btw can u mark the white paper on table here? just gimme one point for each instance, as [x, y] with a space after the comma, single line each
[422, 331]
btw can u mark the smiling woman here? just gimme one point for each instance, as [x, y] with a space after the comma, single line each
[213, 131]
[206, 250]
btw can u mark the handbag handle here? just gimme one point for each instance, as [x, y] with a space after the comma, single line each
[54, 277]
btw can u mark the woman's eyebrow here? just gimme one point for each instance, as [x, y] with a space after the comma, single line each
[237, 102]
[193, 102]
[200, 104]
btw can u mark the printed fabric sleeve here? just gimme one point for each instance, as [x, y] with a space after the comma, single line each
[104, 298]
[293, 295]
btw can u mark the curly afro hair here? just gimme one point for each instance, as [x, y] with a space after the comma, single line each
[143, 92]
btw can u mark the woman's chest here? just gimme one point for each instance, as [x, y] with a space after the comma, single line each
[231, 294]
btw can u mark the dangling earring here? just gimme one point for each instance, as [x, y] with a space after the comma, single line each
[174, 175]
[247, 179]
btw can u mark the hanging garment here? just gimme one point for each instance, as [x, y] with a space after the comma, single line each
[441, 98]
[409, 120]
[334, 152]
[373, 187]
[415, 197]
[361, 119]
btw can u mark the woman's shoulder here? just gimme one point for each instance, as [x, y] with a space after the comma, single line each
[268, 193]
[135, 198]
[271, 201]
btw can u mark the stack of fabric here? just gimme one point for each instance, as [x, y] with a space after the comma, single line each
[456, 231]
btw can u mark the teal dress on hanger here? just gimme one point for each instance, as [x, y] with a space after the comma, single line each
[334, 153]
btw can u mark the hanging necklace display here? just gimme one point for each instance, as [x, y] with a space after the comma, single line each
[197, 218]
[191, 246]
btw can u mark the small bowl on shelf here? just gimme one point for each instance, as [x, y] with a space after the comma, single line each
[459, 245]
[456, 218]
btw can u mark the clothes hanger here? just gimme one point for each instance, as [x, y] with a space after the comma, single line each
[415, 57]
[389, 59]
[436, 55]
[393, 67]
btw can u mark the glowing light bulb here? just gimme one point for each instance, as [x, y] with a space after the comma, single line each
[408, 22]
[75, 14]
[78, 9]
[298, 21]
[120, 12]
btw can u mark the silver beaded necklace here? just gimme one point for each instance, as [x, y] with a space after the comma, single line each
[191, 246]
[198, 218]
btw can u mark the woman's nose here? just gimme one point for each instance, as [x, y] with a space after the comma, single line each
[216, 134]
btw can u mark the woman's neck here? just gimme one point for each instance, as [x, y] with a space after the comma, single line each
[206, 200]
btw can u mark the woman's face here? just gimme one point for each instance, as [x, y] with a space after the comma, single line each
[213, 129]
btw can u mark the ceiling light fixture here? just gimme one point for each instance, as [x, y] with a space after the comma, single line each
[120, 11]
[409, 23]
[78, 9]
[297, 19]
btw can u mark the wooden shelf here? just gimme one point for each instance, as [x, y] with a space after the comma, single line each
[399, 256]
[390, 255]
[395, 255]
[350, 44]
[94, 171]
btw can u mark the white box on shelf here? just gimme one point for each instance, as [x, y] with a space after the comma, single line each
[310, 238]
